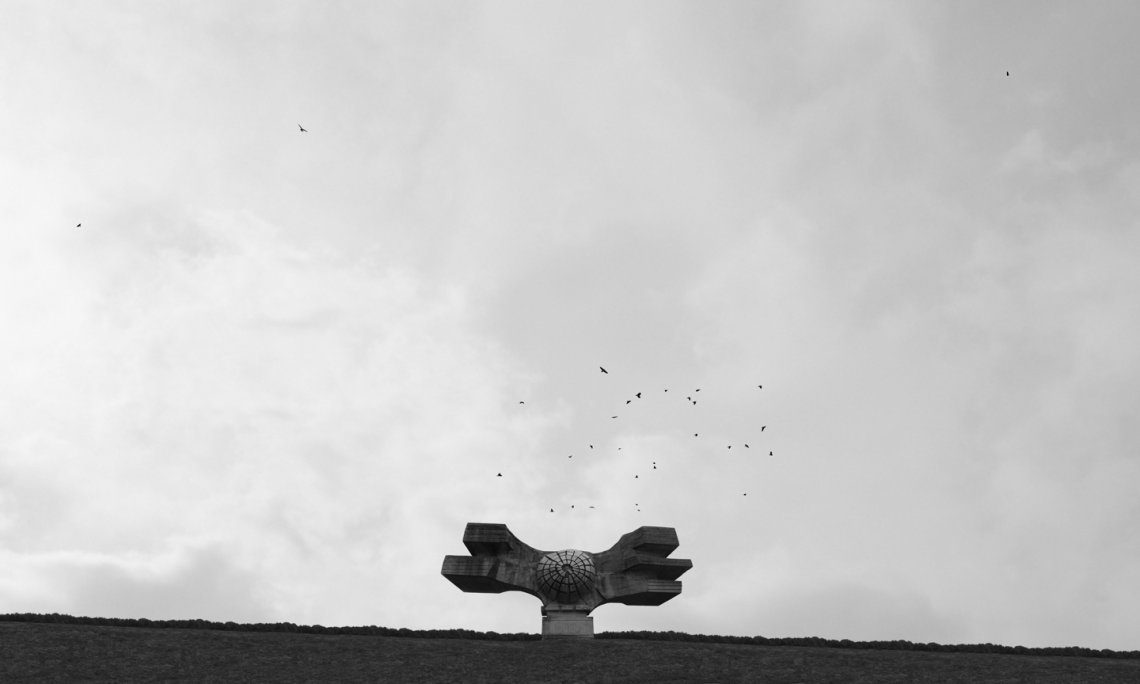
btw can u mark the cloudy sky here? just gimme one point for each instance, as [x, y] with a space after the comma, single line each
[273, 374]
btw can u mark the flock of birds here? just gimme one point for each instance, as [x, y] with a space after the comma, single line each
[689, 398]
[636, 396]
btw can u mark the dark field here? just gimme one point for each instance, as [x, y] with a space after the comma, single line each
[31, 652]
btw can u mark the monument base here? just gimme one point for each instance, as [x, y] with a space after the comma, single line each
[567, 625]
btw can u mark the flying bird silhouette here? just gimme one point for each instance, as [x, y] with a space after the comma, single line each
[500, 475]
[78, 225]
[1007, 73]
[604, 370]
[302, 128]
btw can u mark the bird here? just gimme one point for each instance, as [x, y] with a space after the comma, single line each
[747, 447]
[570, 456]
[591, 506]
[551, 510]
[77, 225]
[628, 400]
[729, 446]
[302, 128]
[759, 386]
[769, 453]
[1007, 73]
[613, 416]
[522, 402]
[604, 370]
[762, 428]
[638, 395]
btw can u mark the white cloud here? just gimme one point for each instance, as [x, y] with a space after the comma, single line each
[282, 406]
[298, 357]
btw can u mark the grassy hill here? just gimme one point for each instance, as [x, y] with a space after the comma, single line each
[68, 652]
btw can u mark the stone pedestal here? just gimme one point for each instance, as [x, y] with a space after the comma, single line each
[557, 624]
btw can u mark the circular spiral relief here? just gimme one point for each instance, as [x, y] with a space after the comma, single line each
[566, 576]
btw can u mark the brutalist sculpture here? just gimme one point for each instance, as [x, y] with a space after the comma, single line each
[570, 583]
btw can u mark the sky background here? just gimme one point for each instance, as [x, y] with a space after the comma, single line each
[275, 373]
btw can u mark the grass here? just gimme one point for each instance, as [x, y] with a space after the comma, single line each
[43, 652]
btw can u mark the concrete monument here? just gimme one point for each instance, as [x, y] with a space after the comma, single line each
[570, 583]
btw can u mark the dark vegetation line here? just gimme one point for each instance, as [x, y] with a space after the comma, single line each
[894, 645]
[372, 630]
[278, 627]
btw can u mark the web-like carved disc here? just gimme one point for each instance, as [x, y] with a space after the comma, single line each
[566, 576]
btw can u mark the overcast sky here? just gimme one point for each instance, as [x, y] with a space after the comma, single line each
[273, 374]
